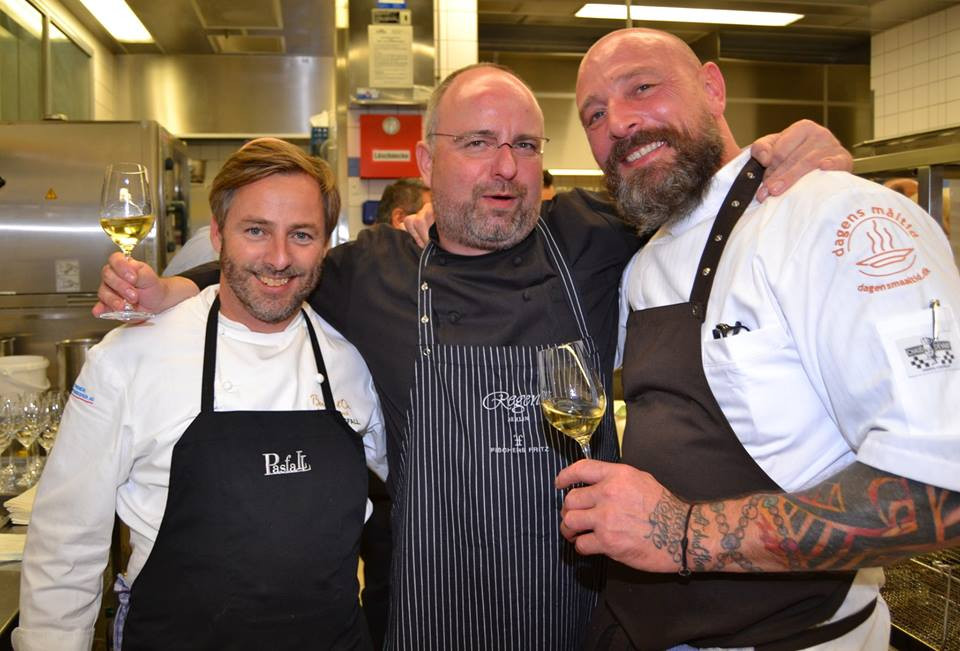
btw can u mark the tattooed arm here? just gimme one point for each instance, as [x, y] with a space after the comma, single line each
[861, 517]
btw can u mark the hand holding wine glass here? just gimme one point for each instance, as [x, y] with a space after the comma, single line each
[571, 392]
[126, 214]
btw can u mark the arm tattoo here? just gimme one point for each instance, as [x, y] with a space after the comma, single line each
[861, 517]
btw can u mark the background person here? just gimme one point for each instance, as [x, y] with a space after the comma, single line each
[547, 192]
[789, 418]
[401, 198]
[450, 333]
[244, 492]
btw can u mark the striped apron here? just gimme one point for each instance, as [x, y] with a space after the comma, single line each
[479, 562]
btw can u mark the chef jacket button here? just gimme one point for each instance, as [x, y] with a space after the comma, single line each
[320, 378]
[735, 203]
[454, 317]
[227, 385]
[525, 295]
[424, 286]
[424, 319]
[517, 261]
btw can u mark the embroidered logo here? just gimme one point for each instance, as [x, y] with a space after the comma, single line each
[515, 404]
[924, 355]
[290, 465]
[80, 393]
[882, 241]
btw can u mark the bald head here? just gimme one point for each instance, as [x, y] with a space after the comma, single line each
[473, 82]
[634, 42]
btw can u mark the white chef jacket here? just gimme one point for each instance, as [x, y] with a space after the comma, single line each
[134, 398]
[834, 280]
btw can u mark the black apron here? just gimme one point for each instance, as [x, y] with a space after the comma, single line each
[677, 432]
[258, 544]
[479, 562]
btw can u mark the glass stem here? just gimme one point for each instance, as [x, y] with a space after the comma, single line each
[586, 450]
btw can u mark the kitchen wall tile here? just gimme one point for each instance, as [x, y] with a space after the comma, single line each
[921, 51]
[952, 40]
[952, 112]
[938, 23]
[953, 17]
[905, 122]
[903, 79]
[921, 96]
[878, 43]
[893, 105]
[937, 93]
[953, 89]
[920, 75]
[905, 101]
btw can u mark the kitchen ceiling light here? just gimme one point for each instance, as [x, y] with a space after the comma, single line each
[24, 14]
[118, 19]
[688, 15]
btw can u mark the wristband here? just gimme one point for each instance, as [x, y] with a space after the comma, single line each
[684, 570]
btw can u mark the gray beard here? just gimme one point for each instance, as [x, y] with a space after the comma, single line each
[649, 198]
[465, 224]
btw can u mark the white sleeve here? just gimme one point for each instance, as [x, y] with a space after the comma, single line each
[68, 539]
[624, 309]
[375, 439]
[856, 296]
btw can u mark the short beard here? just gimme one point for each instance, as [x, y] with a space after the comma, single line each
[652, 196]
[494, 230]
[261, 308]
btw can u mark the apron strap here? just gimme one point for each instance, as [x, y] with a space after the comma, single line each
[321, 367]
[560, 264]
[734, 204]
[210, 359]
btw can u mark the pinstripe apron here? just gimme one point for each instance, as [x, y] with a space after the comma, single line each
[479, 562]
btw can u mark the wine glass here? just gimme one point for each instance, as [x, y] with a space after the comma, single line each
[29, 416]
[126, 215]
[8, 424]
[52, 412]
[571, 393]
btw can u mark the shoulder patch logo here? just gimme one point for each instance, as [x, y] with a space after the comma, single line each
[880, 243]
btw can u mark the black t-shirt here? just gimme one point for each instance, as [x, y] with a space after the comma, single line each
[369, 287]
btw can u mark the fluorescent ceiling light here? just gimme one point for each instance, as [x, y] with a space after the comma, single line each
[688, 15]
[118, 19]
[56, 34]
[24, 14]
[560, 171]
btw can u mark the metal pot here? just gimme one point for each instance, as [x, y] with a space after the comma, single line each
[7, 345]
[71, 354]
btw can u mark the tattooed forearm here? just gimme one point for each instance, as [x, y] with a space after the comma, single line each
[862, 517]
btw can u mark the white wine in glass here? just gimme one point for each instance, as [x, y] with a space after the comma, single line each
[126, 215]
[571, 392]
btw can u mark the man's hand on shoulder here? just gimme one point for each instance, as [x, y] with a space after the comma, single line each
[136, 283]
[802, 147]
[419, 223]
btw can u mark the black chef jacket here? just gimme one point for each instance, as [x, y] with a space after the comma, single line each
[368, 291]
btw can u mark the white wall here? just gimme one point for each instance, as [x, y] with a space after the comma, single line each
[915, 75]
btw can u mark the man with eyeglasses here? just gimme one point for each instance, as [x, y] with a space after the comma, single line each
[449, 333]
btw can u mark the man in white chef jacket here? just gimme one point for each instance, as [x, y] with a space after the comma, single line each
[236, 466]
[790, 374]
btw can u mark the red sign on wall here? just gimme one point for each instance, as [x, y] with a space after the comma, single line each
[388, 146]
